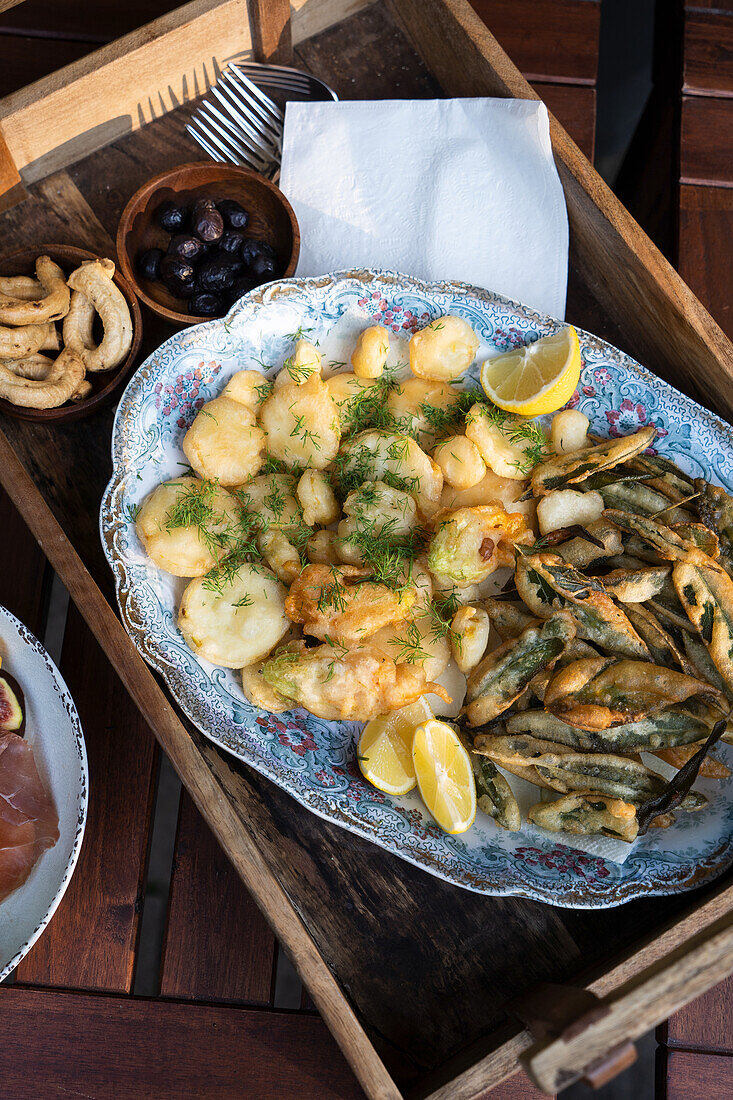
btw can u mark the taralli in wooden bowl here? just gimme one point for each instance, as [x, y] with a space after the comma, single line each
[70, 331]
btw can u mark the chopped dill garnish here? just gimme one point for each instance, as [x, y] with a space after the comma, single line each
[333, 594]
[246, 601]
[299, 334]
[264, 390]
[273, 465]
[410, 650]
[442, 608]
[132, 511]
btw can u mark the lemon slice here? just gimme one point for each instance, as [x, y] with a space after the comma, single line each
[445, 776]
[537, 378]
[385, 748]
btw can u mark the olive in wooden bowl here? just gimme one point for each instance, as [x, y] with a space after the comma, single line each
[193, 239]
[101, 384]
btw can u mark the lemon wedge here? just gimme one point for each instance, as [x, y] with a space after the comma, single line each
[444, 776]
[537, 378]
[385, 748]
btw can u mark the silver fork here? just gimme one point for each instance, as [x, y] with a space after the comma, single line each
[238, 122]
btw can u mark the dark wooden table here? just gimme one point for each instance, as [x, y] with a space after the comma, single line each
[696, 1056]
[85, 1015]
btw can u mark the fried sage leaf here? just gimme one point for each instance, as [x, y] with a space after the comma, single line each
[698, 655]
[494, 795]
[664, 475]
[508, 619]
[679, 725]
[545, 581]
[660, 643]
[680, 784]
[715, 509]
[616, 776]
[586, 813]
[561, 470]
[707, 597]
[502, 675]
[679, 543]
[522, 750]
[711, 767]
[636, 585]
[602, 692]
[581, 553]
[641, 500]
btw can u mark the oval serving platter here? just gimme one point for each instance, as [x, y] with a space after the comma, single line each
[314, 760]
[54, 732]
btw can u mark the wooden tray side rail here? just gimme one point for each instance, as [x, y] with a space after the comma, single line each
[666, 326]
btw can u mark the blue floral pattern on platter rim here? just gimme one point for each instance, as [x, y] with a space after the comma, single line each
[311, 759]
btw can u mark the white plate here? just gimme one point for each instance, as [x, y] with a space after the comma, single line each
[54, 733]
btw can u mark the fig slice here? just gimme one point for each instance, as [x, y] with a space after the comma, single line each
[12, 711]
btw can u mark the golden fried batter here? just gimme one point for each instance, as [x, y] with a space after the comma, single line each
[340, 602]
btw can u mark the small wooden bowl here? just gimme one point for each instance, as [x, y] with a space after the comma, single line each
[272, 219]
[104, 383]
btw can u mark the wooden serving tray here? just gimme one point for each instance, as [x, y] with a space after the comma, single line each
[422, 984]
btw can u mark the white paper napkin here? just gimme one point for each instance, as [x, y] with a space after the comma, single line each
[462, 189]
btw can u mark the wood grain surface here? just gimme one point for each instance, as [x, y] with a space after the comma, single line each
[72, 1044]
[90, 944]
[705, 233]
[218, 946]
[549, 40]
[706, 154]
[338, 902]
[24, 575]
[708, 52]
[272, 39]
[693, 1076]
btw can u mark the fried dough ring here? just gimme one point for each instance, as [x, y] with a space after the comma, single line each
[24, 287]
[52, 341]
[62, 381]
[79, 321]
[55, 305]
[94, 280]
[33, 367]
[19, 343]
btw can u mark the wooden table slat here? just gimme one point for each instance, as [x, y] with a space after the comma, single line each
[574, 106]
[708, 53]
[23, 569]
[91, 941]
[75, 1045]
[690, 1076]
[218, 946]
[547, 39]
[705, 233]
[706, 1023]
[706, 154]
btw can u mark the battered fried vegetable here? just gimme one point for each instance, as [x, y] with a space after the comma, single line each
[471, 543]
[586, 813]
[660, 643]
[508, 619]
[616, 776]
[343, 604]
[711, 767]
[504, 674]
[346, 685]
[669, 543]
[698, 655]
[581, 553]
[664, 475]
[521, 750]
[680, 785]
[571, 469]
[544, 580]
[715, 509]
[707, 597]
[636, 585]
[679, 725]
[642, 500]
[494, 795]
[602, 692]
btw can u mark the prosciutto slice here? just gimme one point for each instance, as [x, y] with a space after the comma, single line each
[29, 823]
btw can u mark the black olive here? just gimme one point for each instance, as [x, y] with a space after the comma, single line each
[178, 276]
[231, 241]
[234, 215]
[188, 248]
[251, 248]
[206, 222]
[234, 262]
[206, 305]
[215, 276]
[262, 268]
[239, 287]
[170, 216]
[148, 263]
